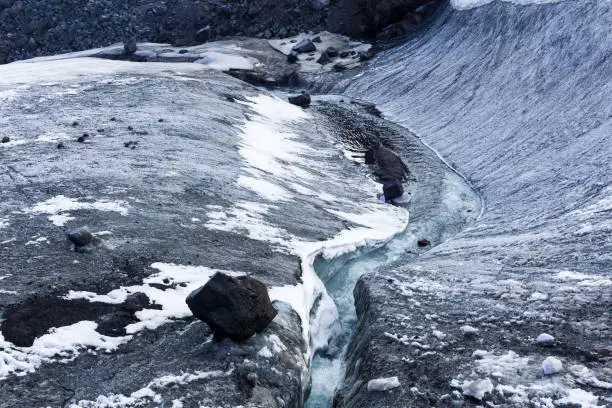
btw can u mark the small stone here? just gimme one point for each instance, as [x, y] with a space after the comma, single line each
[75, 124]
[545, 338]
[344, 54]
[423, 243]
[100, 130]
[113, 119]
[317, 39]
[60, 146]
[6, 139]
[82, 138]
[130, 128]
[160, 120]
[183, 51]
[365, 56]
[339, 67]
[551, 365]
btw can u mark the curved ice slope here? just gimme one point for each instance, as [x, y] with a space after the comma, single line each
[518, 98]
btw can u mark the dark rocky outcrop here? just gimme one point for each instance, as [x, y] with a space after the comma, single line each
[389, 166]
[392, 189]
[233, 307]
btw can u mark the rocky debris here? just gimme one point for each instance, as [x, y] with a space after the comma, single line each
[302, 100]
[365, 55]
[423, 243]
[5, 139]
[383, 384]
[233, 307]
[60, 145]
[131, 144]
[129, 46]
[551, 365]
[304, 46]
[368, 18]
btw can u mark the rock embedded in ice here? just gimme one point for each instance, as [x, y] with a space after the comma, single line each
[468, 330]
[383, 384]
[423, 242]
[302, 100]
[6, 139]
[80, 237]
[551, 365]
[545, 338]
[233, 307]
[478, 388]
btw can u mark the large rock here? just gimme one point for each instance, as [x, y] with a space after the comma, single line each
[233, 307]
[389, 166]
[304, 46]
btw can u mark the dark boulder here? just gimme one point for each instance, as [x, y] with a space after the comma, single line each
[324, 59]
[389, 166]
[423, 242]
[365, 56]
[5, 139]
[80, 237]
[304, 46]
[233, 307]
[302, 100]
[292, 58]
[129, 46]
[392, 189]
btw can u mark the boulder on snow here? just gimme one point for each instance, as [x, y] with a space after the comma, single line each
[423, 242]
[302, 100]
[233, 307]
[304, 46]
[388, 164]
[5, 139]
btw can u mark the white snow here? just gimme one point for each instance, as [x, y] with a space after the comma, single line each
[265, 189]
[383, 384]
[478, 388]
[265, 352]
[63, 342]
[545, 338]
[551, 365]
[37, 241]
[538, 296]
[59, 207]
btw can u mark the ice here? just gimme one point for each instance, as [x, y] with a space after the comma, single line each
[545, 338]
[383, 384]
[265, 352]
[81, 69]
[551, 365]
[265, 189]
[579, 397]
[225, 61]
[478, 388]
[466, 329]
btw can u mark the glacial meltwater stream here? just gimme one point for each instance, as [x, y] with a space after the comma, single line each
[442, 204]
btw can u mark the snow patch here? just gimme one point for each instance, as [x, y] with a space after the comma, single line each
[551, 365]
[478, 388]
[383, 384]
[59, 207]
